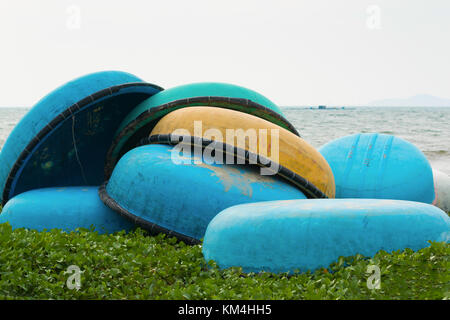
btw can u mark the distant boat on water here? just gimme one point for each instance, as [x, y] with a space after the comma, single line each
[322, 107]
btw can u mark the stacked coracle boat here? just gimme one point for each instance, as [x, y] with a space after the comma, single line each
[217, 162]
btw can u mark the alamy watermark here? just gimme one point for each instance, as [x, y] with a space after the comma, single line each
[73, 21]
[373, 21]
[253, 146]
[74, 280]
[374, 280]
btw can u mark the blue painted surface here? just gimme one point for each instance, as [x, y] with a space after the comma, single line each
[62, 208]
[379, 166]
[185, 197]
[284, 236]
[201, 89]
[56, 161]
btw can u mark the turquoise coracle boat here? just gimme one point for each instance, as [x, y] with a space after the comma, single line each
[66, 208]
[141, 120]
[63, 139]
[179, 194]
[285, 236]
[379, 166]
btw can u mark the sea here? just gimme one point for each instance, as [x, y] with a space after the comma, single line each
[426, 127]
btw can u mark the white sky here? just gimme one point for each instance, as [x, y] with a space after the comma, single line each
[294, 52]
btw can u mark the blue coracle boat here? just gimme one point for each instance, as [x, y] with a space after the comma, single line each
[379, 166]
[66, 208]
[64, 138]
[285, 236]
[178, 195]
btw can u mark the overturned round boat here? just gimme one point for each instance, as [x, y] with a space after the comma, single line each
[165, 192]
[442, 190]
[284, 236]
[143, 118]
[62, 208]
[254, 140]
[379, 166]
[63, 139]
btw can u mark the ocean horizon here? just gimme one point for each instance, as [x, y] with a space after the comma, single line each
[426, 127]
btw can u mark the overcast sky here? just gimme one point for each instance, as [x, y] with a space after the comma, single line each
[294, 52]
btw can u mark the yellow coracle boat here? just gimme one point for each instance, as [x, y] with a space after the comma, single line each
[250, 138]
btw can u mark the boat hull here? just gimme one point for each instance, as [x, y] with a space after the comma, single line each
[62, 208]
[285, 236]
[141, 120]
[63, 139]
[177, 196]
[259, 137]
[379, 166]
[442, 190]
